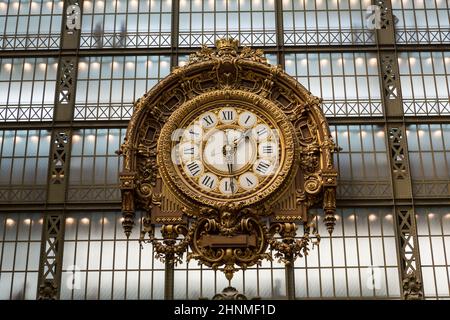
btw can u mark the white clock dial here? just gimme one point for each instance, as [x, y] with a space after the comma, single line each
[193, 133]
[228, 152]
[208, 120]
[248, 181]
[228, 186]
[193, 168]
[262, 132]
[215, 150]
[247, 119]
[227, 115]
[208, 181]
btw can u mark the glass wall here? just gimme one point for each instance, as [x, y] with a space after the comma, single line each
[95, 166]
[193, 281]
[433, 229]
[27, 87]
[100, 263]
[30, 24]
[362, 162]
[425, 80]
[421, 21]
[126, 24]
[359, 260]
[108, 86]
[20, 243]
[251, 22]
[348, 83]
[332, 22]
[429, 154]
[23, 165]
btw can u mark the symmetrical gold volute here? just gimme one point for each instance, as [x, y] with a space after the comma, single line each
[232, 218]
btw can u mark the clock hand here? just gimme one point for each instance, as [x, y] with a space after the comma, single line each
[243, 135]
[229, 158]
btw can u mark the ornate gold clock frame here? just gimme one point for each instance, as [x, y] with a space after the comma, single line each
[228, 234]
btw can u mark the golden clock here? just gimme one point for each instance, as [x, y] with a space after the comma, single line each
[226, 155]
[227, 148]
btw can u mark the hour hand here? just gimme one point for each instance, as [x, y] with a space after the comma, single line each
[230, 168]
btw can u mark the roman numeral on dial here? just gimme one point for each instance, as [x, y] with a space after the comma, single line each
[193, 133]
[189, 151]
[247, 119]
[208, 120]
[248, 181]
[208, 181]
[194, 168]
[228, 186]
[263, 167]
[262, 132]
[227, 115]
[268, 149]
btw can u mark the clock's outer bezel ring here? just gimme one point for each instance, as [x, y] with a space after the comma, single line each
[270, 193]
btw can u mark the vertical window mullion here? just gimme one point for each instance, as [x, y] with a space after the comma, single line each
[345, 254]
[76, 221]
[14, 256]
[114, 257]
[2, 242]
[427, 216]
[102, 232]
[369, 238]
[441, 217]
[19, 104]
[88, 256]
[357, 216]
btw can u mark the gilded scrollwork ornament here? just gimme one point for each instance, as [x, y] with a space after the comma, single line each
[229, 293]
[329, 208]
[289, 247]
[170, 248]
[229, 239]
[203, 54]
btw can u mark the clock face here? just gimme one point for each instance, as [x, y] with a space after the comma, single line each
[225, 152]
[228, 151]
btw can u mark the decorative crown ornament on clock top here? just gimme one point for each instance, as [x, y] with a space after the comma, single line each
[226, 155]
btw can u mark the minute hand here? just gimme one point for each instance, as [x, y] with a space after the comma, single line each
[244, 135]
